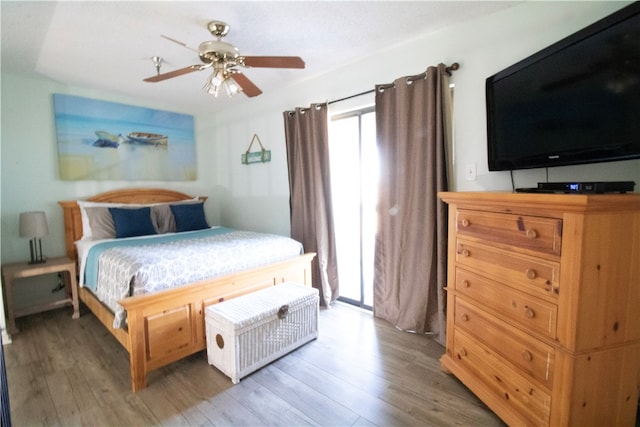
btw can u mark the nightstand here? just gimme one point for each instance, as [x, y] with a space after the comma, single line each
[20, 270]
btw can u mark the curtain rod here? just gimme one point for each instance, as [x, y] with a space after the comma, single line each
[351, 96]
[453, 67]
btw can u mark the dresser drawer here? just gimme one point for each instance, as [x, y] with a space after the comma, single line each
[524, 351]
[530, 274]
[530, 312]
[508, 388]
[527, 232]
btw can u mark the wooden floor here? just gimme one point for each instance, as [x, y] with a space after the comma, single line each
[360, 371]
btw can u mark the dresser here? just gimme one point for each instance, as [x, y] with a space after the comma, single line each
[543, 305]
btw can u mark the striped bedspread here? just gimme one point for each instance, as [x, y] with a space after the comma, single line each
[118, 268]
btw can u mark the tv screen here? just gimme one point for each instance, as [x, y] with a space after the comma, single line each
[575, 102]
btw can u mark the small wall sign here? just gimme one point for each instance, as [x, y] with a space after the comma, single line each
[262, 156]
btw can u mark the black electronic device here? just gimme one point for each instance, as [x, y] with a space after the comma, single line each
[596, 187]
[588, 187]
[574, 102]
[532, 190]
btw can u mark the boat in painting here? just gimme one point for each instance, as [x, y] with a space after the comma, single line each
[108, 140]
[148, 138]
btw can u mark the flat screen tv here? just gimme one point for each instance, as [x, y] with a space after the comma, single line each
[574, 102]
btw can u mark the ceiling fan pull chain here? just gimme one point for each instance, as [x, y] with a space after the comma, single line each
[157, 62]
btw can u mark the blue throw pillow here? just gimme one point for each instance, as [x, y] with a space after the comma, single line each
[189, 217]
[132, 222]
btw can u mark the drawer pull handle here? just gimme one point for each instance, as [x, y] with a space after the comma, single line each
[531, 273]
[465, 252]
[465, 222]
[464, 318]
[531, 233]
[526, 355]
[465, 283]
[463, 352]
[529, 313]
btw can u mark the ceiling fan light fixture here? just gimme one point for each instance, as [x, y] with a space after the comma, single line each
[217, 77]
[221, 81]
[211, 86]
[231, 87]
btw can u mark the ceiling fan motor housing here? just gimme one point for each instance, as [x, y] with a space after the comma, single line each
[215, 50]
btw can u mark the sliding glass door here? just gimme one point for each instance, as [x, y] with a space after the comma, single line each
[354, 181]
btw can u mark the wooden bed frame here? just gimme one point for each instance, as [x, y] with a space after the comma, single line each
[167, 326]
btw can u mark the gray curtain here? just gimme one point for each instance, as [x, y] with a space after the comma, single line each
[412, 117]
[307, 140]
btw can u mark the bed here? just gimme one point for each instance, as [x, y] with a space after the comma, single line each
[168, 325]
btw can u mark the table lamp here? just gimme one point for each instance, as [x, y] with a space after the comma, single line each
[34, 226]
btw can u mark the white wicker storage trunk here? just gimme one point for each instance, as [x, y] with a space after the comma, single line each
[246, 333]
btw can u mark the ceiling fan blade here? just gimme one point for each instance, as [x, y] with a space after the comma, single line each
[247, 85]
[274, 61]
[179, 42]
[175, 73]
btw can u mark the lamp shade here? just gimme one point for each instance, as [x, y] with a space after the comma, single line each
[33, 224]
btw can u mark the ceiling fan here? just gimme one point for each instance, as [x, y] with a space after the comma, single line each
[224, 59]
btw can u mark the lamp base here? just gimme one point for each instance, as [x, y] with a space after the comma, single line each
[36, 251]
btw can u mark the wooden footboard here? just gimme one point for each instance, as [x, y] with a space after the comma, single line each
[170, 325]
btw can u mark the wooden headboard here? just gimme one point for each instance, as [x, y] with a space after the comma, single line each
[73, 219]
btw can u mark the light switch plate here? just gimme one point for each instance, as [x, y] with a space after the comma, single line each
[470, 171]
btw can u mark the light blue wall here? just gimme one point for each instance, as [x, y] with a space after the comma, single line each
[257, 196]
[30, 164]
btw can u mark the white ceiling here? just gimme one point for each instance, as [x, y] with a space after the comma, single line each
[108, 45]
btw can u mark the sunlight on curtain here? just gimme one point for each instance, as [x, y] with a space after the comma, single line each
[412, 117]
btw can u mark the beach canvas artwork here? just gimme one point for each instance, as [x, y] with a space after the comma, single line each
[100, 140]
